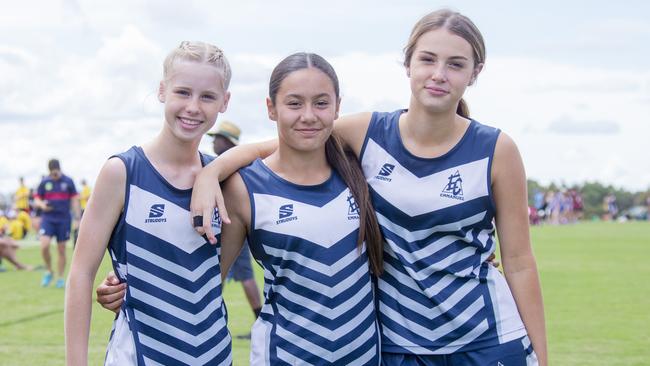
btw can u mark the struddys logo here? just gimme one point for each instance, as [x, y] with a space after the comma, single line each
[285, 214]
[353, 208]
[454, 188]
[156, 213]
[385, 171]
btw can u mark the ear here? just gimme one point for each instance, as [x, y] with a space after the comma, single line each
[226, 99]
[338, 106]
[271, 110]
[477, 70]
[161, 92]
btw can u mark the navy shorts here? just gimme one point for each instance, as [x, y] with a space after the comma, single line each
[514, 353]
[242, 270]
[60, 230]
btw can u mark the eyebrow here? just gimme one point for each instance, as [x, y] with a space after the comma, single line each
[299, 96]
[452, 57]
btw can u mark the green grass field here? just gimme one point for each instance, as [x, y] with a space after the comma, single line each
[594, 279]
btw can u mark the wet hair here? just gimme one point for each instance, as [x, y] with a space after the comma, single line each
[199, 52]
[341, 159]
[53, 164]
[455, 23]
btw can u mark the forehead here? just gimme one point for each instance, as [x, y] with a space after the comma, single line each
[444, 43]
[308, 81]
[196, 75]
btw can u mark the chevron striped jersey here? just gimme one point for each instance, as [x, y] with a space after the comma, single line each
[318, 295]
[437, 294]
[173, 313]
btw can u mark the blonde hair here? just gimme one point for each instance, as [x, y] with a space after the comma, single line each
[199, 52]
[456, 23]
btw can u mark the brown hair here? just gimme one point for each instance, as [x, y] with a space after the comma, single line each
[455, 23]
[343, 160]
[199, 52]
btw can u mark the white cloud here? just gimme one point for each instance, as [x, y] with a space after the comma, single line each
[78, 79]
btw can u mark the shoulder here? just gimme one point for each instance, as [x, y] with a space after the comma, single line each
[352, 129]
[507, 160]
[236, 198]
[505, 146]
[234, 187]
[113, 171]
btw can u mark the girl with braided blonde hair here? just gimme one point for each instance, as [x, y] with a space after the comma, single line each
[173, 311]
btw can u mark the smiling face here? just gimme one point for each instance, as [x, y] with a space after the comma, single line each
[304, 108]
[441, 67]
[193, 94]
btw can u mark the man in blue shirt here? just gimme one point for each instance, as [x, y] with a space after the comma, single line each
[55, 196]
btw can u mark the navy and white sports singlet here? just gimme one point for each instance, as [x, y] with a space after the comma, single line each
[173, 312]
[437, 294]
[318, 296]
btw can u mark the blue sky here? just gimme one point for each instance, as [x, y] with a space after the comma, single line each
[569, 81]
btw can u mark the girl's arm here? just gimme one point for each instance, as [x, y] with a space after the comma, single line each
[352, 130]
[206, 194]
[100, 217]
[233, 234]
[519, 267]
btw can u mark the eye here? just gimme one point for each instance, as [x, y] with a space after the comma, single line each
[209, 97]
[456, 65]
[182, 92]
[427, 59]
[294, 104]
[322, 104]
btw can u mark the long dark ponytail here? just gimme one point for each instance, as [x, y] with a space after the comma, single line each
[343, 160]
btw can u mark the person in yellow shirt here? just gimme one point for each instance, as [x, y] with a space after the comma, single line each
[4, 223]
[26, 220]
[8, 246]
[16, 227]
[84, 195]
[21, 197]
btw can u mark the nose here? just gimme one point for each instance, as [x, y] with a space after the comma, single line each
[192, 105]
[439, 73]
[308, 115]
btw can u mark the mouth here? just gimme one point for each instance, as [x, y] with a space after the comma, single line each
[189, 123]
[308, 132]
[433, 90]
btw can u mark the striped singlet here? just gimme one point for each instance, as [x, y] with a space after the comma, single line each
[318, 294]
[173, 312]
[437, 294]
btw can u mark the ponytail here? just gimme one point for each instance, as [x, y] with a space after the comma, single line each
[345, 162]
[462, 109]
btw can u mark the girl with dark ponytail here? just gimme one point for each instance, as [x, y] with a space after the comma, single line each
[306, 212]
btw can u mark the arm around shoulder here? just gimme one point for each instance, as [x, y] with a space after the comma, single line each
[520, 268]
[206, 194]
[352, 129]
[100, 217]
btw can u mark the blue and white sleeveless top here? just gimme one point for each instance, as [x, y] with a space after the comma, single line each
[173, 304]
[437, 294]
[318, 294]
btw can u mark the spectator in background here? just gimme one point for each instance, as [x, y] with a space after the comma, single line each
[16, 228]
[224, 138]
[610, 207]
[84, 195]
[8, 246]
[56, 195]
[21, 197]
